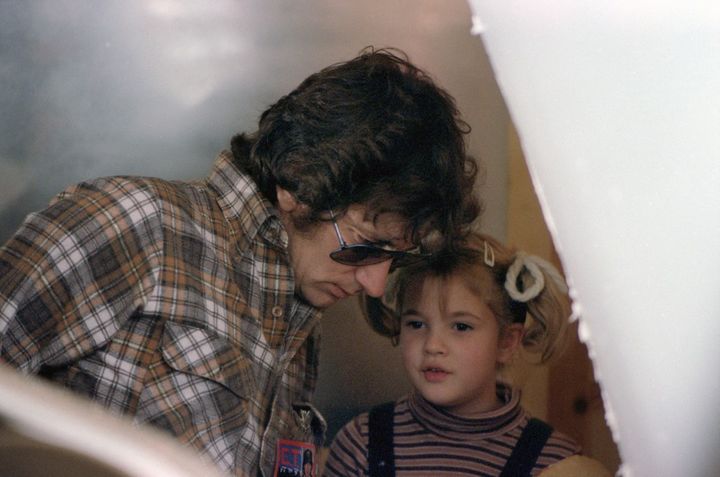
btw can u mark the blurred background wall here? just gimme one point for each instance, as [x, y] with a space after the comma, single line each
[158, 87]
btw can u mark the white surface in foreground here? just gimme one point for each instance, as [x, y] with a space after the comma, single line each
[618, 111]
[53, 416]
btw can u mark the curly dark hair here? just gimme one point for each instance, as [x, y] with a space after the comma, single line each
[375, 130]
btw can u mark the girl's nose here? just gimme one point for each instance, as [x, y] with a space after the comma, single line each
[373, 278]
[434, 343]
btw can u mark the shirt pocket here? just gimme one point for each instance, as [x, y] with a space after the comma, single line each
[199, 390]
[202, 353]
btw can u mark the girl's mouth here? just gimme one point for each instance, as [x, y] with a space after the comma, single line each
[435, 375]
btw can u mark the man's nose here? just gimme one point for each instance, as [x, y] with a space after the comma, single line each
[373, 278]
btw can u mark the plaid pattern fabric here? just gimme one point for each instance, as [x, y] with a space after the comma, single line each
[170, 301]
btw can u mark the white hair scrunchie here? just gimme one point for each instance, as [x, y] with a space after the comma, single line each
[536, 266]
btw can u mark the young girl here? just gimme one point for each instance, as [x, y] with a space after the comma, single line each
[459, 319]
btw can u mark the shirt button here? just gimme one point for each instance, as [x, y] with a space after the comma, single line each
[277, 311]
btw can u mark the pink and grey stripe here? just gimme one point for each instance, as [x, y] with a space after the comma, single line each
[429, 441]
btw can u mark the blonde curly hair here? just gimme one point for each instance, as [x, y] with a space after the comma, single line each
[514, 285]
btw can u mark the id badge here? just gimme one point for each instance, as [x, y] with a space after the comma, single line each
[295, 459]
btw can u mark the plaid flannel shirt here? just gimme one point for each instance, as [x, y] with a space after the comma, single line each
[170, 301]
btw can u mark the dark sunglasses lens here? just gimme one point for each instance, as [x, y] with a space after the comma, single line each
[360, 255]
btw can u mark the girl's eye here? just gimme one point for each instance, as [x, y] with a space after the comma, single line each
[414, 324]
[462, 327]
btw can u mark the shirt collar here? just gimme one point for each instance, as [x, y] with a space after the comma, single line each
[247, 211]
[490, 424]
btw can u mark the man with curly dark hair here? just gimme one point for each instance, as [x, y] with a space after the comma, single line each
[194, 306]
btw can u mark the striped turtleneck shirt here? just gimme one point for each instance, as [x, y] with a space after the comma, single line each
[431, 442]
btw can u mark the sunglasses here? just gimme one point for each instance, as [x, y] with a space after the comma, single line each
[361, 254]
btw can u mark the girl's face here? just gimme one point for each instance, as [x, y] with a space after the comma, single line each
[451, 345]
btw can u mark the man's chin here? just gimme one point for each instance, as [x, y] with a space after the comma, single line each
[319, 299]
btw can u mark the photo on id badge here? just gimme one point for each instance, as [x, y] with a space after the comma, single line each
[295, 459]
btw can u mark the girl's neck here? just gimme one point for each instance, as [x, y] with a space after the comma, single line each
[474, 412]
[446, 423]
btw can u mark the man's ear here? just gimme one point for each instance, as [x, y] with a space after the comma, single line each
[286, 201]
[509, 342]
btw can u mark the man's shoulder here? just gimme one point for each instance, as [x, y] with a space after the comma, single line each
[138, 197]
[144, 187]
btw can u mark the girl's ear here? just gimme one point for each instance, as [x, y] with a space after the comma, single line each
[509, 342]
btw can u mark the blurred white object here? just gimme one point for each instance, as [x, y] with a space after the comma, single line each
[45, 430]
[617, 107]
